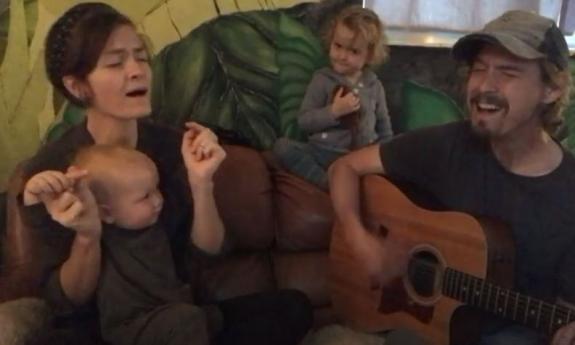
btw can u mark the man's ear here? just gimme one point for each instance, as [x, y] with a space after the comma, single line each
[554, 90]
[106, 214]
[552, 94]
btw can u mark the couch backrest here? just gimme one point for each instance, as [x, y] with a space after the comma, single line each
[263, 206]
[244, 196]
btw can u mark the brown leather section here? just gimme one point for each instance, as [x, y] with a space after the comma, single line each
[243, 194]
[304, 214]
[18, 272]
[306, 272]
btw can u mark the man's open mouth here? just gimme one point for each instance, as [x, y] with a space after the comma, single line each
[489, 102]
[487, 107]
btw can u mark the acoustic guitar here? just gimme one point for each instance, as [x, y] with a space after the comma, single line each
[437, 263]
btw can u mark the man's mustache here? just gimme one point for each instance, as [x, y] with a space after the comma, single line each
[491, 98]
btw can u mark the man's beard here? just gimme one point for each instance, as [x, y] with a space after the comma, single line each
[480, 131]
[486, 98]
[481, 128]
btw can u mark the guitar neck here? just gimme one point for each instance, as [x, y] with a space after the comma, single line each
[531, 312]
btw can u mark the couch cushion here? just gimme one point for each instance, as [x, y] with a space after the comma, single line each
[22, 319]
[306, 272]
[304, 213]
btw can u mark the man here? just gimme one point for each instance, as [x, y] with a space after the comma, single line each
[502, 162]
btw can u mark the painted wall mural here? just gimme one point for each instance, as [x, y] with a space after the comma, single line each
[28, 105]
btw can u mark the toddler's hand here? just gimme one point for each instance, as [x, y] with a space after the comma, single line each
[344, 104]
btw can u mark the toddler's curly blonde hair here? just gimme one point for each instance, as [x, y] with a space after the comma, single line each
[366, 23]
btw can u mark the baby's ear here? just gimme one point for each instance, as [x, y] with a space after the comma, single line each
[105, 214]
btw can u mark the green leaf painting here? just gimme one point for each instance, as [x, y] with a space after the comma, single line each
[245, 72]
[424, 106]
[300, 53]
[223, 74]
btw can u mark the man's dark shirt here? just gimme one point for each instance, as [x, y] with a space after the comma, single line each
[460, 170]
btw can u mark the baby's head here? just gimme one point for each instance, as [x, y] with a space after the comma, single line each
[355, 39]
[125, 184]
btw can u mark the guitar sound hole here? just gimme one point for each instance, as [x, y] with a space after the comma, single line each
[422, 272]
[383, 231]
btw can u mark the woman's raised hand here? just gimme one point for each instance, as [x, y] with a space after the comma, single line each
[67, 198]
[201, 153]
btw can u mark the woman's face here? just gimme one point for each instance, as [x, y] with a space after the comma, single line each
[119, 85]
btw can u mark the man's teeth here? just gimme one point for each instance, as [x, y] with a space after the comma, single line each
[488, 107]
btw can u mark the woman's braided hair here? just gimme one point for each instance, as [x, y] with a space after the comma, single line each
[75, 42]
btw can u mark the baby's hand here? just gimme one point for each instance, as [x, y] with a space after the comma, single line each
[49, 182]
[344, 104]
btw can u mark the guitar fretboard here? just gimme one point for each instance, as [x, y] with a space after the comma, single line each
[506, 303]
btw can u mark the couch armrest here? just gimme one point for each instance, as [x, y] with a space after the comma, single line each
[18, 275]
[21, 320]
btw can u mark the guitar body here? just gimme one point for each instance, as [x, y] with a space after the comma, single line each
[411, 297]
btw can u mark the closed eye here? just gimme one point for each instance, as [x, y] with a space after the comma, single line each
[142, 56]
[511, 71]
[478, 68]
[114, 64]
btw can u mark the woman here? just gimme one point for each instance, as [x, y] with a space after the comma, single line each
[96, 59]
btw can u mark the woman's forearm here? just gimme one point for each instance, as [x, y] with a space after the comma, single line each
[80, 272]
[207, 231]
